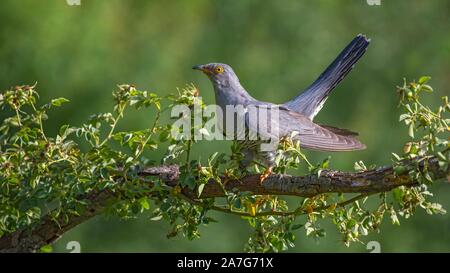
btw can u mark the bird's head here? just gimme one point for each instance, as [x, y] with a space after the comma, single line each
[219, 74]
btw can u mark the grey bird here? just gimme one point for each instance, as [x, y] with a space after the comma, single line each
[295, 115]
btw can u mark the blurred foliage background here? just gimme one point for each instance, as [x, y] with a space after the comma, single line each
[277, 48]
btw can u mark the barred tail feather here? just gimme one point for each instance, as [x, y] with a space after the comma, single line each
[312, 99]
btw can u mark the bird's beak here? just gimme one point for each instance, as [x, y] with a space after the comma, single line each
[202, 68]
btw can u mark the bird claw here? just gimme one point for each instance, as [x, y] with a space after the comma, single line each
[266, 174]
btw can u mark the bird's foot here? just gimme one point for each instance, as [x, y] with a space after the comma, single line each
[266, 174]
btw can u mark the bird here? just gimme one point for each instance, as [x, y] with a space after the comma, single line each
[296, 115]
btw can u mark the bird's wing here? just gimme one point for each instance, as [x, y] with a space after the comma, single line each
[312, 99]
[271, 125]
[339, 131]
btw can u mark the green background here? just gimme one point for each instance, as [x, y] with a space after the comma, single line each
[277, 48]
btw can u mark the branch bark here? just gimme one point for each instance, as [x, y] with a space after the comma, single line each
[371, 181]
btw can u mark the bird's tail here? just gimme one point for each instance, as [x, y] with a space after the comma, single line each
[311, 100]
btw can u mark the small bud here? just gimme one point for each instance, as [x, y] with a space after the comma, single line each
[332, 207]
[196, 92]
[177, 189]
[309, 209]
[407, 147]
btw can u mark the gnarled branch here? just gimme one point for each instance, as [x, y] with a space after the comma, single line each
[371, 181]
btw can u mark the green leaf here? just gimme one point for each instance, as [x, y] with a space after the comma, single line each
[441, 156]
[424, 79]
[212, 157]
[427, 176]
[359, 166]
[59, 101]
[396, 156]
[144, 203]
[326, 163]
[63, 129]
[404, 116]
[156, 218]
[200, 189]
[427, 88]
[411, 130]
[46, 249]
[398, 194]
[394, 217]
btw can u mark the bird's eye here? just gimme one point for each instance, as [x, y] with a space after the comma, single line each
[219, 69]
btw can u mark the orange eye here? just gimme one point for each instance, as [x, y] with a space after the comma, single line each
[219, 69]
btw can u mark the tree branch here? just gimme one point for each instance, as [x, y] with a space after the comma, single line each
[371, 181]
[366, 182]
